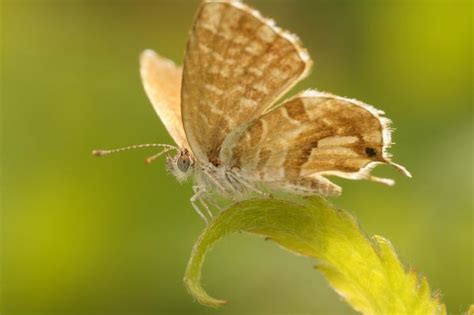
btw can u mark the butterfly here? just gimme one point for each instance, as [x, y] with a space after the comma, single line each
[232, 138]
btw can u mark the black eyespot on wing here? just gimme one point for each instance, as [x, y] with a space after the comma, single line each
[370, 152]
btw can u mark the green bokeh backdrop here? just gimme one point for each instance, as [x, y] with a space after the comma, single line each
[112, 236]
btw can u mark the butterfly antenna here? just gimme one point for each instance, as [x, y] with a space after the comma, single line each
[132, 147]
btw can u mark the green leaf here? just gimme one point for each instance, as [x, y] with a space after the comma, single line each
[365, 271]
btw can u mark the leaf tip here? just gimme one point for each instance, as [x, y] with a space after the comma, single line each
[197, 291]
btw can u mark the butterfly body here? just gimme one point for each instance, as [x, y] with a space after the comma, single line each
[235, 140]
[209, 177]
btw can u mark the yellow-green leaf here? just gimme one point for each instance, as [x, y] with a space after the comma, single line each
[365, 271]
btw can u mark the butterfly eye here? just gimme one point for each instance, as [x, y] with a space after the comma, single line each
[183, 163]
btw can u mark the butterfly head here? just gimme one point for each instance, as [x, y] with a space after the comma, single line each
[181, 165]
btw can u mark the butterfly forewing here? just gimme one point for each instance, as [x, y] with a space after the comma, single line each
[162, 82]
[311, 135]
[237, 64]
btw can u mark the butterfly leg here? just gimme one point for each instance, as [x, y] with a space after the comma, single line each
[219, 186]
[212, 202]
[236, 186]
[198, 192]
[204, 199]
[249, 186]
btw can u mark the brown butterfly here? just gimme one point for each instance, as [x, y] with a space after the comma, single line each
[231, 138]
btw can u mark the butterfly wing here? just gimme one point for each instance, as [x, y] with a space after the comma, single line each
[237, 64]
[162, 82]
[308, 137]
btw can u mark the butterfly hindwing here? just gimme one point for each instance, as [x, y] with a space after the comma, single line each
[310, 136]
[237, 64]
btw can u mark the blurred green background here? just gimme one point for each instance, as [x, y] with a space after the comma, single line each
[112, 236]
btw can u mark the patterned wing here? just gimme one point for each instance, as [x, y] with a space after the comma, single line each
[237, 64]
[162, 82]
[310, 136]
